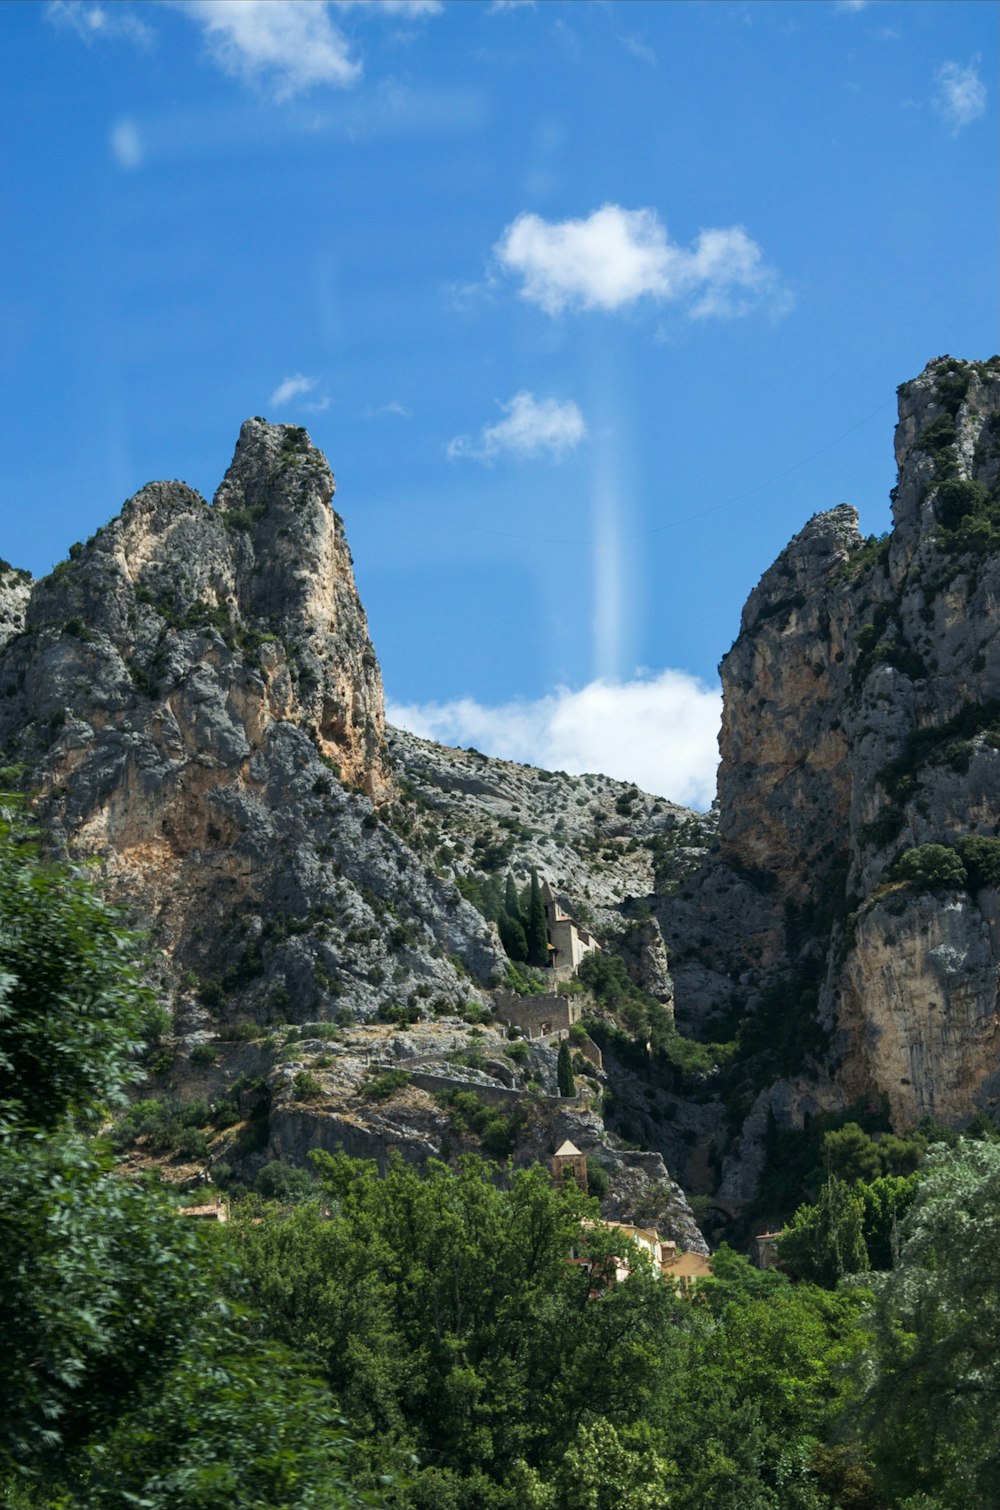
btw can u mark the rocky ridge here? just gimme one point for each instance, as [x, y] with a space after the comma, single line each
[194, 698]
[194, 702]
[860, 723]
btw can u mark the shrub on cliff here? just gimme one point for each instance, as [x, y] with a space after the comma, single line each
[930, 867]
[981, 857]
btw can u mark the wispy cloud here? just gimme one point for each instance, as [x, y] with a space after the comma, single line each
[96, 22]
[960, 96]
[659, 731]
[406, 9]
[531, 427]
[126, 144]
[850, 5]
[394, 407]
[615, 257]
[293, 45]
[638, 49]
[296, 387]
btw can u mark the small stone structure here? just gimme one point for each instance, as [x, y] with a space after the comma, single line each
[537, 1015]
[569, 1162]
[568, 941]
[588, 1048]
[767, 1249]
[214, 1211]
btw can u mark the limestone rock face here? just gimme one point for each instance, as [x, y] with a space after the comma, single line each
[196, 700]
[15, 590]
[861, 720]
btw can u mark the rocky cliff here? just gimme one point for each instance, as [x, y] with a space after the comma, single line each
[862, 723]
[196, 702]
[192, 701]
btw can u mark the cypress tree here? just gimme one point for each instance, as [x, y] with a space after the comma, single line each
[564, 1071]
[492, 893]
[511, 904]
[535, 931]
[512, 937]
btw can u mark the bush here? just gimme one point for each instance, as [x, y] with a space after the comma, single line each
[279, 1182]
[981, 857]
[930, 867]
[191, 1143]
[598, 1180]
[204, 1054]
[957, 499]
[306, 1087]
[381, 1086]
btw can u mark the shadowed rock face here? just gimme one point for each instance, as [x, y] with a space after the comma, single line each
[196, 700]
[861, 719]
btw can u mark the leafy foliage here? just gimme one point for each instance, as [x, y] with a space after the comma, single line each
[72, 1004]
[930, 867]
[443, 1313]
[564, 1071]
[933, 1368]
[121, 1383]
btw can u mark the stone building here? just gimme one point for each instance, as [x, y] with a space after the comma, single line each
[537, 1016]
[569, 1163]
[568, 941]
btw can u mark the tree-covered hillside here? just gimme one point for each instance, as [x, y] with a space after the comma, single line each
[424, 1340]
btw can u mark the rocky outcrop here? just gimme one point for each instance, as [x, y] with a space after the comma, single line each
[15, 590]
[195, 700]
[861, 721]
[603, 845]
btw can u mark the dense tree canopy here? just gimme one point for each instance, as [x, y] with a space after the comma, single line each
[121, 1384]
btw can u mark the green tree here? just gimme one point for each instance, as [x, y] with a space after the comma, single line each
[930, 867]
[980, 855]
[564, 1071]
[826, 1241]
[114, 1352]
[851, 1155]
[511, 900]
[932, 1374]
[445, 1317]
[535, 929]
[236, 1423]
[512, 937]
[72, 1004]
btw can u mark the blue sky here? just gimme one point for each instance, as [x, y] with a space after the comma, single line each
[591, 306]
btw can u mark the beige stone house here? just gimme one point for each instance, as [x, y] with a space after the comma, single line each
[569, 942]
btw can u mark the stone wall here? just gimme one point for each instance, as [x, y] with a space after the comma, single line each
[537, 1015]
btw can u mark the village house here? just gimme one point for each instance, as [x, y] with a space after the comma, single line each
[568, 941]
[684, 1268]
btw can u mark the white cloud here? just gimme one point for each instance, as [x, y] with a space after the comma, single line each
[639, 49]
[658, 731]
[961, 95]
[293, 44]
[99, 22]
[126, 144]
[291, 387]
[616, 257]
[394, 407]
[404, 8]
[531, 427]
